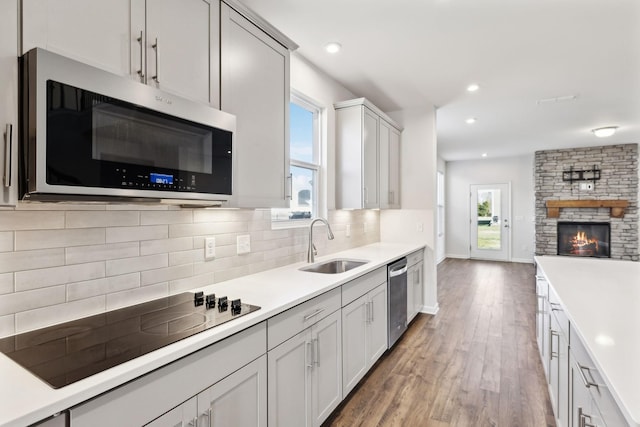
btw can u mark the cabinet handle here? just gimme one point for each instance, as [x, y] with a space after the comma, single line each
[371, 311]
[552, 353]
[308, 354]
[587, 383]
[417, 277]
[554, 306]
[156, 47]
[391, 197]
[141, 69]
[314, 314]
[582, 419]
[193, 422]
[290, 194]
[8, 142]
[316, 347]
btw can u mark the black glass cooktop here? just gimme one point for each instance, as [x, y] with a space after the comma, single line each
[68, 352]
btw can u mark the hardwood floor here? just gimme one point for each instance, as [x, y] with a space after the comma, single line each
[475, 363]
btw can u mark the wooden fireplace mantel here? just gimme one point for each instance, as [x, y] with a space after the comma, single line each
[617, 206]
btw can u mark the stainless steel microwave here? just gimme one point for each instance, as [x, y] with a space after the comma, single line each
[89, 133]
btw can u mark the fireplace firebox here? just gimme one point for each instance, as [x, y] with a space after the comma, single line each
[586, 239]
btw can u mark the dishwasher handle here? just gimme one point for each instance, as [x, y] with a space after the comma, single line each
[398, 272]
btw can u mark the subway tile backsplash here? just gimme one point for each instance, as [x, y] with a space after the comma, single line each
[63, 261]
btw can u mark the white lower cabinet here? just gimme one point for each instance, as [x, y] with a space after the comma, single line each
[559, 372]
[415, 277]
[542, 321]
[305, 375]
[225, 383]
[364, 335]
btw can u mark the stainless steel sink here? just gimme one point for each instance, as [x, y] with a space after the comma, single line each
[334, 266]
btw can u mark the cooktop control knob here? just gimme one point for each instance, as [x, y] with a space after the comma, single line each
[198, 299]
[222, 304]
[236, 306]
[210, 301]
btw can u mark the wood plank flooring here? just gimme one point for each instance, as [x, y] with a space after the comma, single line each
[475, 363]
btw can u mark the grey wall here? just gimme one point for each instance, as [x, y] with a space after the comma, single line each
[619, 180]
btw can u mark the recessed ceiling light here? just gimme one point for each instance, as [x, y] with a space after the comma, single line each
[605, 131]
[471, 120]
[333, 47]
[484, 154]
[473, 87]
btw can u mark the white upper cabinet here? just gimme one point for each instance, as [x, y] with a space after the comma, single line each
[8, 102]
[175, 46]
[95, 32]
[170, 44]
[255, 87]
[367, 157]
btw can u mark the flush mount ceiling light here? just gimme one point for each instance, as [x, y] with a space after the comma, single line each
[333, 47]
[471, 120]
[473, 87]
[484, 154]
[605, 131]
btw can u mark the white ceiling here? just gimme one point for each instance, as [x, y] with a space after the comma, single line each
[412, 53]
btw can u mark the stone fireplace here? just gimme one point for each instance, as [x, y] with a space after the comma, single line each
[618, 181]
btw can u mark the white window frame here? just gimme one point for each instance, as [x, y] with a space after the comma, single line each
[319, 199]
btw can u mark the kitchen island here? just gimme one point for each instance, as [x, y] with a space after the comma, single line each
[26, 399]
[601, 300]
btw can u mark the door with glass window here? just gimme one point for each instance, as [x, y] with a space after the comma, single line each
[490, 221]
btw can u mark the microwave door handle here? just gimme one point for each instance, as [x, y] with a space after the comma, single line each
[8, 141]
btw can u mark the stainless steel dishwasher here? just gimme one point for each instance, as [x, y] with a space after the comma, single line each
[396, 300]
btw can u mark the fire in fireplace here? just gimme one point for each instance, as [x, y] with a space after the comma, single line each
[588, 239]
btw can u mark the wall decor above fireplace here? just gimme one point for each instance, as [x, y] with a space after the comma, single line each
[572, 175]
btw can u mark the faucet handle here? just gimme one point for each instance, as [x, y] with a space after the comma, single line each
[313, 247]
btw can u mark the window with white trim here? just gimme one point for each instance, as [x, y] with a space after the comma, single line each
[304, 154]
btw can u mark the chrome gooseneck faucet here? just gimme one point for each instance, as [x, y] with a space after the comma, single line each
[312, 251]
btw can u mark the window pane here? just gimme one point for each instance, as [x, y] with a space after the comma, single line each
[301, 133]
[303, 193]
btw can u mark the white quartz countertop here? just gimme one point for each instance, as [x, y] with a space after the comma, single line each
[601, 297]
[25, 399]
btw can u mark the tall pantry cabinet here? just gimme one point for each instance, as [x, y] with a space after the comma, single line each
[8, 101]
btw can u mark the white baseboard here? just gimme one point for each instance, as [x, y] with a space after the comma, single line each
[465, 256]
[522, 260]
[430, 309]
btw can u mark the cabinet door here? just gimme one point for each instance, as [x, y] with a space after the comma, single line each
[354, 343]
[326, 377]
[255, 87]
[377, 329]
[411, 278]
[384, 141]
[239, 400]
[394, 168]
[370, 160]
[178, 39]
[290, 366]
[92, 31]
[184, 415]
[563, 381]
[415, 288]
[8, 102]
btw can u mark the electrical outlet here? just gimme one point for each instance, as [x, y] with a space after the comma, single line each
[243, 244]
[347, 231]
[586, 186]
[419, 227]
[209, 248]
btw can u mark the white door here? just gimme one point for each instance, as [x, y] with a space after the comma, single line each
[354, 343]
[490, 220]
[326, 378]
[239, 400]
[289, 373]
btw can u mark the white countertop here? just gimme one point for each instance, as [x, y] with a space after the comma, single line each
[601, 297]
[24, 399]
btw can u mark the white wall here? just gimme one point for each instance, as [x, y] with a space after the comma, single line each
[461, 174]
[415, 222]
[308, 80]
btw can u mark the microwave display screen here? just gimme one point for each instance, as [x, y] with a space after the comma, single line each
[98, 141]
